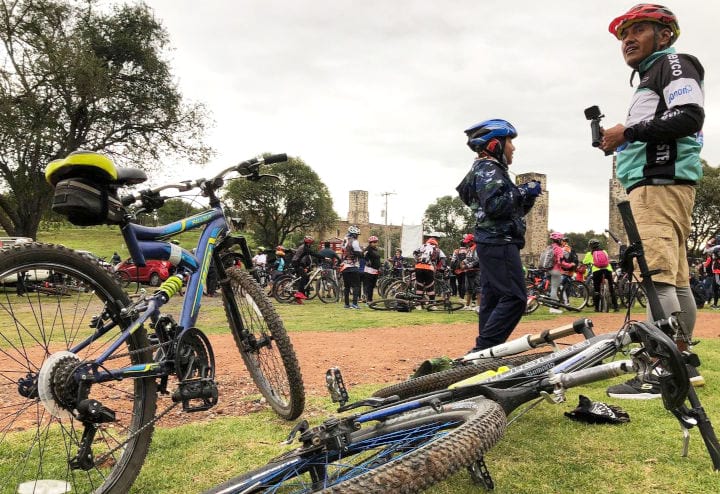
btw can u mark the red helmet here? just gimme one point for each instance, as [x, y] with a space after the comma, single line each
[469, 237]
[372, 238]
[645, 12]
[432, 241]
[308, 239]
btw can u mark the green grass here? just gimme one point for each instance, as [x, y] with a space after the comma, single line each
[542, 452]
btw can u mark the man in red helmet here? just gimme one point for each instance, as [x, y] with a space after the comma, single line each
[658, 160]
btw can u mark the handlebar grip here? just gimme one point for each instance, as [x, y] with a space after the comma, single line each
[276, 158]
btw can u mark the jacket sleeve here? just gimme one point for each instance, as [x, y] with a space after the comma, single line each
[681, 80]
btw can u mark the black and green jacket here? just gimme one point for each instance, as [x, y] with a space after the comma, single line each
[664, 123]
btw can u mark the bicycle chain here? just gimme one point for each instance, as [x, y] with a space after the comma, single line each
[100, 460]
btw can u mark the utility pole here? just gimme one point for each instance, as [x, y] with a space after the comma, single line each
[387, 237]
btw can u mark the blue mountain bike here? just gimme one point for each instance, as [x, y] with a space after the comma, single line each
[86, 371]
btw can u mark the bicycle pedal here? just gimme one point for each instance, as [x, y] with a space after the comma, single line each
[196, 389]
[336, 386]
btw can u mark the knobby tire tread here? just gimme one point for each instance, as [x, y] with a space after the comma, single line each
[128, 465]
[443, 379]
[292, 410]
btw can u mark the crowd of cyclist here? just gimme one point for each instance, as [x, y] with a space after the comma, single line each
[360, 266]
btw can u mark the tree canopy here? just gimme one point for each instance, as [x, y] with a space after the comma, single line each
[706, 212]
[75, 77]
[448, 214]
[300, 202]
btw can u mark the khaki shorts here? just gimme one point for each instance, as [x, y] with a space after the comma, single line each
[663, 216]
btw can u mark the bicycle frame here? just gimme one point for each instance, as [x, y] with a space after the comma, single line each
[151, 242]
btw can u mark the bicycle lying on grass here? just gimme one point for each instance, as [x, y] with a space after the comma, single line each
[82, 383]
[408, 445]
[404, 297]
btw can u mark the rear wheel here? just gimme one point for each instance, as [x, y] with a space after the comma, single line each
[40, 337]
[264, 344]
[604, 296]
[405, 453]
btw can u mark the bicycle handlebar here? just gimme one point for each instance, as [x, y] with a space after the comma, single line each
[248, 169]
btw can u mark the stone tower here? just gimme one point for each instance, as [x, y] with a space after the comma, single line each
[358, 212]
[617, 194]
[536, 236]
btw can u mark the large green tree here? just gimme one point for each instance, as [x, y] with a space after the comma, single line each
[706, 212]
[74, 76]
[299, 203]
[448, 214]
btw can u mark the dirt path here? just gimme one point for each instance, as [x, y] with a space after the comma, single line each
[379, 355]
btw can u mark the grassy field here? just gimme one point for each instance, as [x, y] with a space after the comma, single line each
[542, 452]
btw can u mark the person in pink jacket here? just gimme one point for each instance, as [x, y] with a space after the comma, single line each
[556, 271]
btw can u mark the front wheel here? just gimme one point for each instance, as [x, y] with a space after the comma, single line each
[264, 344]
[327, 291]
[406, 453]
[40, 348]
[574, 294]
[284, 289]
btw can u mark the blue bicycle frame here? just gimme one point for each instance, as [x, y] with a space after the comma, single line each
[151, 243]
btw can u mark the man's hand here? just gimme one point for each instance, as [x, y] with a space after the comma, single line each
[612, 138]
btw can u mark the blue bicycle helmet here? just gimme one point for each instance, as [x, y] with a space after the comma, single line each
[489, 136]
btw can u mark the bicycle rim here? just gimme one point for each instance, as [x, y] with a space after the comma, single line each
[40, 321]
[265, 346]
[284, 290]
[327, 291]
[406, 453]
[575, 294]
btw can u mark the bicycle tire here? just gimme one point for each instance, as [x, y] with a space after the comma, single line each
[266, 349]
[443, 379]
[405, 454]
[532, 305]
[604, 297]
[284, 289]
[444, 306]
[575, 293]
[395, 287]
[29, 325]
[327, 291]
[386, 304]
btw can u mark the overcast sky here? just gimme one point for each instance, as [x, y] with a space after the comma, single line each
[375, 94]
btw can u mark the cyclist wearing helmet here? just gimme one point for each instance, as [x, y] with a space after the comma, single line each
[372, 267]
[600, 268]
[428, 258]
[302, 260]
[398, 263]
[471, 269]
[658, 155]
[556, 240]
[500, 207]
[278, 266]
[458, 256]
[350, 267]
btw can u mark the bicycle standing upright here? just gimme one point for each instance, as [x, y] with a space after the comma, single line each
[82, 384]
